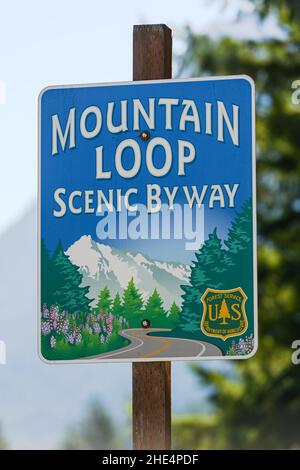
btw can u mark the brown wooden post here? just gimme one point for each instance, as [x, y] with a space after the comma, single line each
[151, 381]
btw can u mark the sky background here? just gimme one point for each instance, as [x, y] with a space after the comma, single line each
[70, 41]
[64, 42]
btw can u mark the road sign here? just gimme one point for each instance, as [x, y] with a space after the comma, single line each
[147, 220]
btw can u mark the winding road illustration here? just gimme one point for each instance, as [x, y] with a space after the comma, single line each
[143, 346]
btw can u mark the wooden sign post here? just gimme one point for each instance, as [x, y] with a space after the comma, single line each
[151, 381]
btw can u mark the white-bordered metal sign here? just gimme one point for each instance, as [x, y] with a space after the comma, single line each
[147, 221]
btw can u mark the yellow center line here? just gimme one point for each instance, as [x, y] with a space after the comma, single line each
[157, 351]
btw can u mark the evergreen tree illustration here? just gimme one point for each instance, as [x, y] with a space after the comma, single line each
[239, 244]
[104, 302]
[224, 313]
[208, 270]
[174, 314]
[68, 294]
[132, 304]
[154, 309]
[117, 307]
[47, 276]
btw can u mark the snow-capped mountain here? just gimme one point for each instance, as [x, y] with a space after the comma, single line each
[102, 265]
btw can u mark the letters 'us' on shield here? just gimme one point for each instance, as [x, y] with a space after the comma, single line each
[147, 221]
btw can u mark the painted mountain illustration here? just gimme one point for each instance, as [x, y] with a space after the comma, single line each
[102, 265]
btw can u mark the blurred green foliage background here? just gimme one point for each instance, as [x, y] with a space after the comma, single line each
[257, 403]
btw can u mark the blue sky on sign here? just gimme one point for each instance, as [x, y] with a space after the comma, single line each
[215, 163]
[82, 42]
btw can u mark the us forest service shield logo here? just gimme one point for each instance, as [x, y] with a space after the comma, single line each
[224, 313]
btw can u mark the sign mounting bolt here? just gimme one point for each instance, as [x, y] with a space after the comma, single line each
[145, 135]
